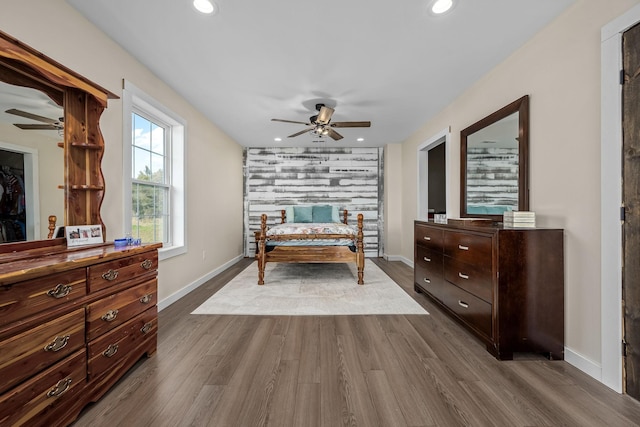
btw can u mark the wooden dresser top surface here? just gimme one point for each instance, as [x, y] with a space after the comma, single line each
[31, 263]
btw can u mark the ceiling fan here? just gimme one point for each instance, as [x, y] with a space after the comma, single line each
[47, 123]
[321, 124]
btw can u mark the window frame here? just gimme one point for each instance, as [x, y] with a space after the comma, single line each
[138, 102]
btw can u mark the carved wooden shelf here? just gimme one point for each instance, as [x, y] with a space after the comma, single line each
[86, 146]
[88, 187]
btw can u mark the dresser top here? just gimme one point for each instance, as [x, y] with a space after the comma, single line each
[28, 264]
[473, 224]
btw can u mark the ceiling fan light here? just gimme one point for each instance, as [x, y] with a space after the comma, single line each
[441, 6]
[204, 6]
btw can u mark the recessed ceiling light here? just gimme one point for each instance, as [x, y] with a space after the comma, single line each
[205, 6]
[441, 6]
[360, 139]
[277, 139]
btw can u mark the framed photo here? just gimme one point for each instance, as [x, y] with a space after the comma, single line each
[78, 235]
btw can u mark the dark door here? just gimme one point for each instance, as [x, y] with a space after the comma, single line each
[631, 200]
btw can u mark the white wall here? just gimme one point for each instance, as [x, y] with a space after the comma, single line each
[214, 161]
[560, 69]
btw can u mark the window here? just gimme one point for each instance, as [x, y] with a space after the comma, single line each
[154, 172]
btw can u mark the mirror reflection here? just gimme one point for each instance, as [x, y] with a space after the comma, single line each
[494, 155]
[31, 163]
[492, 168]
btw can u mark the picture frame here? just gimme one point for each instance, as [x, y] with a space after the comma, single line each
[80, 235]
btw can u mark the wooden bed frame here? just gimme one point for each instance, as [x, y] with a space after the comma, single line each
[309, 254]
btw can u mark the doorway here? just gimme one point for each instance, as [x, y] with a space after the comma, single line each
[20, 210]
[433, 180]
[611, 369]
[631, 203]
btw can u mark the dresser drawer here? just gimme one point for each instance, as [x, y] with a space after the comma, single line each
[61, 383]
[432, 238]
[471, 309]
[30, 297]
[432, 284]
[101, 276]
[469, 248]
[429, 260]
[474, 278]
[108, 350]
[118, 308]
[25, 354]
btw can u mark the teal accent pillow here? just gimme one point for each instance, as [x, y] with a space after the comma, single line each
[288, 211]
[302, 214]
[322, 213]
[335, 214]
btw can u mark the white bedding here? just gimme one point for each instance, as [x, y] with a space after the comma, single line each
[312, 228]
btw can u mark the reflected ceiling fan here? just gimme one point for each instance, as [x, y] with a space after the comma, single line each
[321, 124]
[47, 123]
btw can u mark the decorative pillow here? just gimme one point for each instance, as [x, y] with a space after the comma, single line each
[288, 211]
[322, 213]
[335, 214]
[302, 214]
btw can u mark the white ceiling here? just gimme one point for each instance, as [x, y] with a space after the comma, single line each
[390, 62]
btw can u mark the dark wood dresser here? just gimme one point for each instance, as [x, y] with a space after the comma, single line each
[72, 322]
[505, 285]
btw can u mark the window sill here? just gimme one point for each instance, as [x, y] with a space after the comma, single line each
[171, 251]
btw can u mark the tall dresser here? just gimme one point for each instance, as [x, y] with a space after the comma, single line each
[505, 285]
[72, 322]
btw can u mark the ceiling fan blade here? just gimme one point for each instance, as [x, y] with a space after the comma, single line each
[300, 133]
[324, 115]
[30, 116]
[26, 126]
[350, 124]
[333, 134]
[290, 121]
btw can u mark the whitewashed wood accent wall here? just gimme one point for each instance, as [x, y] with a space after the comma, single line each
[350, 178]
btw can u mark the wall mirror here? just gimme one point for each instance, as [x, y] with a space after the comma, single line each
[494, 155]
[53, 116]
[31, 162]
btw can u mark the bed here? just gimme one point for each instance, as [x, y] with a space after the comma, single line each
[310, 242]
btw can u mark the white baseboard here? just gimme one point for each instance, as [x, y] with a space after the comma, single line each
[398, 258]
[586, 365]
[196, 284]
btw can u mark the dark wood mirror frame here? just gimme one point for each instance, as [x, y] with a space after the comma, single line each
[83, 145]
[520, 106]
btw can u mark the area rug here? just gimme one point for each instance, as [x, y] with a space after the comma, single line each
[311, 289]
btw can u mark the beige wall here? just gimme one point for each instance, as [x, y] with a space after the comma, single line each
[560, 69]
[214, 161]
[392, 239]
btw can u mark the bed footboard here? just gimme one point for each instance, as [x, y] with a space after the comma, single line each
[309, 254]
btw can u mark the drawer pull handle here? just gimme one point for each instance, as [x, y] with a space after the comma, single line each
[60, 291]
[427, 238]
[57, 344]
[110, 316]
[463, 304]
[146, 264]
[60, 388]
[146, 299]
[427, 259]
[463, 276]
[111, 350]
[464, 248]
[146, 328]
[110, 275]
[426, 280]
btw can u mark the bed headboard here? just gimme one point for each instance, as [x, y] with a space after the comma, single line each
[283, 216]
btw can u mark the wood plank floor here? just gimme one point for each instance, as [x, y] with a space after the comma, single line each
[345, 370]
